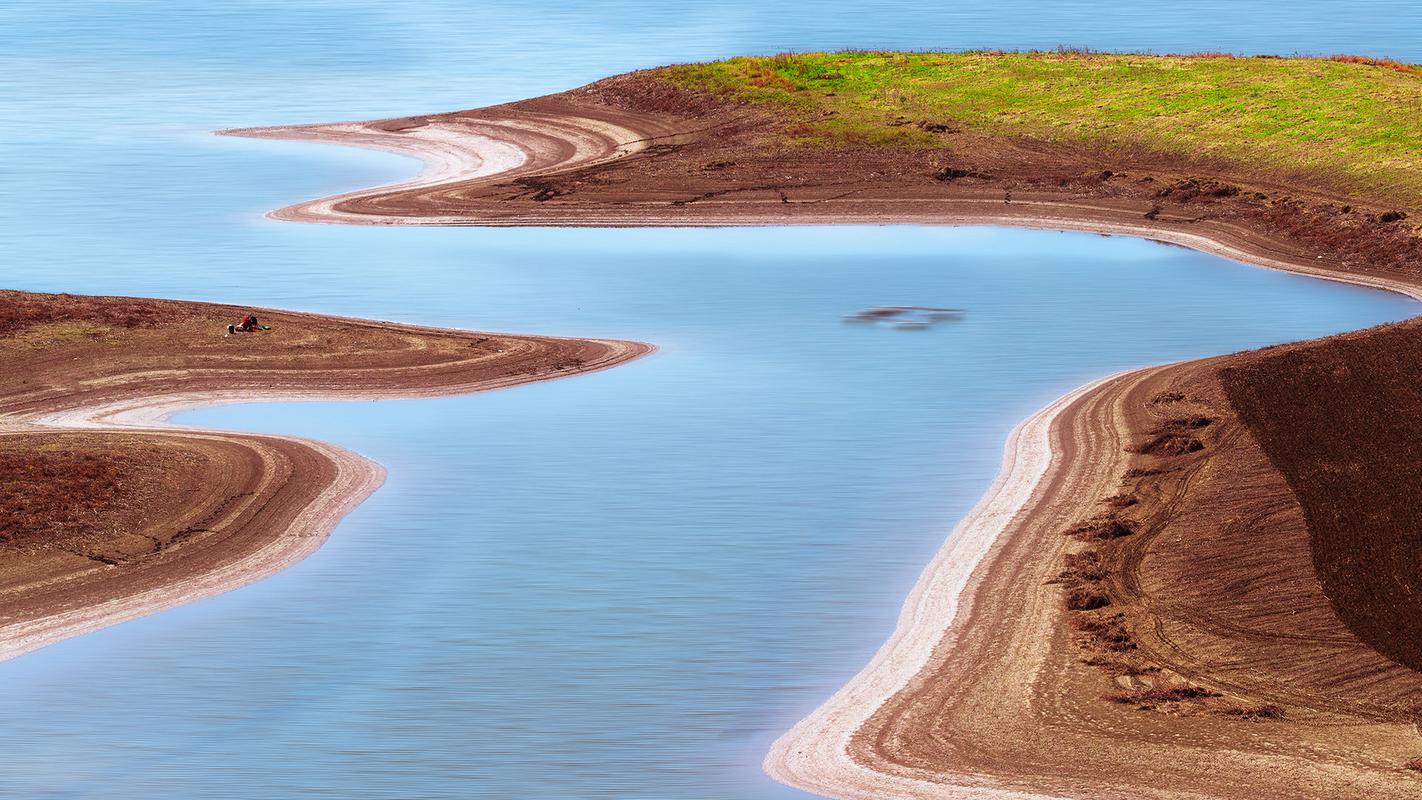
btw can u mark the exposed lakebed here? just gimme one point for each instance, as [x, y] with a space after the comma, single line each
[620, 585]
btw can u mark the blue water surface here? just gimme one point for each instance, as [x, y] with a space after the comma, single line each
[621, 585]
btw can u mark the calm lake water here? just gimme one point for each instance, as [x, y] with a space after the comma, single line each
[622, 585]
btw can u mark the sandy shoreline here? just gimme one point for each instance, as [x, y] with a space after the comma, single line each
[817, 754]
[284, 494]
[501, 147]
[813, 755]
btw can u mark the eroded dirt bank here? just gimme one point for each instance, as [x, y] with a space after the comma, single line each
[106, 514]
[1163, 596]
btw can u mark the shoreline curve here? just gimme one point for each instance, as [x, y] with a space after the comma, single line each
[815, 754]
[481, 158]
[817, 747]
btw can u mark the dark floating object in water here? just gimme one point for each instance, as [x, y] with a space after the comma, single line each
[908, 317]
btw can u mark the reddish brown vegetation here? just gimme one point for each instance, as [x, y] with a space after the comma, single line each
[1191, 188]
[45, 492]
[1117, 667]
[1089, 576]
[21, 310]
[949, 174]
[1386, 63]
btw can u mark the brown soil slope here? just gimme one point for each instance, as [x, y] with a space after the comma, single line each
[1213, 665]
[98, 525]
[1341, 420]
[1218, 582]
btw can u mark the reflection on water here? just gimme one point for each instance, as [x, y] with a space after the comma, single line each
[622, 585]
[905, 317]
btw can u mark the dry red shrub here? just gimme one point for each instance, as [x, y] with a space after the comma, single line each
[43, 493]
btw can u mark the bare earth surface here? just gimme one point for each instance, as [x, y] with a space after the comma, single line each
[107, 514]
[1164, 595]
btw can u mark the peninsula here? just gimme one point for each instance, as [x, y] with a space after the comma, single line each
[107, 514]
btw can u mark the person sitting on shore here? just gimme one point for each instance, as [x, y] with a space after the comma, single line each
[248, 324]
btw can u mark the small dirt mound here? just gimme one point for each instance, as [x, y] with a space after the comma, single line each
[543, 190]
[1120, 501]
[1120, 667]
[1151, 698]
[950, 174]
[1173, 437]
[1254, 712]
[1103, 529]
[1084, 598]
[1192, 188]
[1108, 633]
[1146, 472]
[1169, 445]
[1085, 566]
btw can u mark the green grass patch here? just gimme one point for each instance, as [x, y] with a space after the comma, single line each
[1356, 122]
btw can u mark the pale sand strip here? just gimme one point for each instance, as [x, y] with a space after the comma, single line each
[1063, 221]
[493, 147]
[813, 755]
[448, 153]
